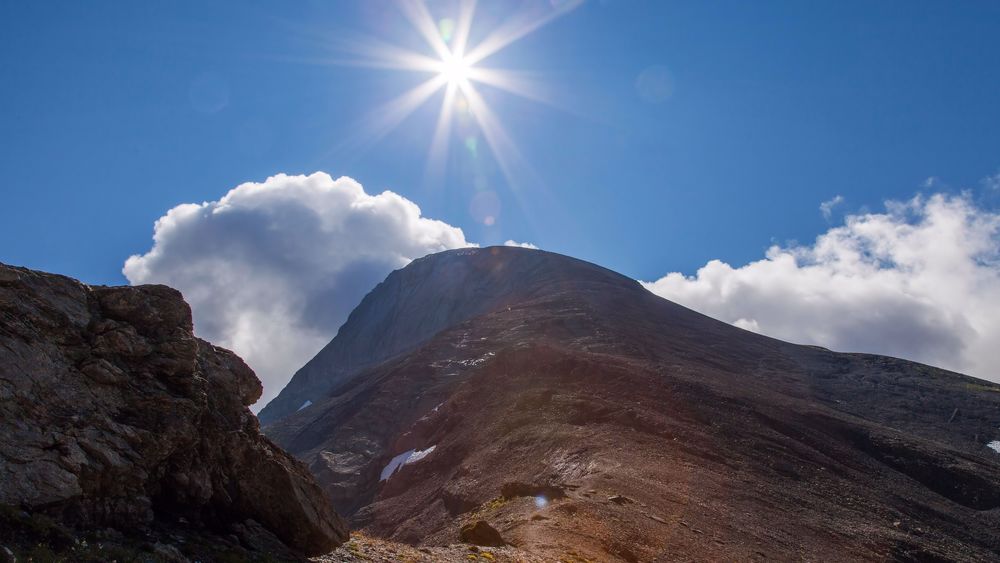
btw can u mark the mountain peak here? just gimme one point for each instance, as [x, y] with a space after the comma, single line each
[428, 295]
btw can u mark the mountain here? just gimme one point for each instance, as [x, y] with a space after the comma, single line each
[121, 427]
[415, 303]
[517, 396]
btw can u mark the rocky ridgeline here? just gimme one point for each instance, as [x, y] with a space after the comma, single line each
[117, 418]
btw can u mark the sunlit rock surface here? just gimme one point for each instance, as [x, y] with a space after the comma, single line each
[582, 417]
[115, 416]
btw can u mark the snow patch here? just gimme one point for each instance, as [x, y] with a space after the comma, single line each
[405, 458]
[305, 404]
[476, 361]
[994, 445]
[419, 455]
[394, 464]
[471, 362]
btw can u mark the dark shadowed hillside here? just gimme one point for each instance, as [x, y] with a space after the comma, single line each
[580, 416]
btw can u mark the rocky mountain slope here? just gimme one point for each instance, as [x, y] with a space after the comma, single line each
[117, 419]
[405, 310]
[516, 396]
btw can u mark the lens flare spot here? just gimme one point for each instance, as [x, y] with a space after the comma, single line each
[655, 84]
[541, 501]
[446, 27]
[485, 208]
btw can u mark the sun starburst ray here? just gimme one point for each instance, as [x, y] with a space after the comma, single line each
[437, 155]
[517, 171]
[462, 28]
[515, 83]
[381, 121]
[517, 28]
[505, 151]
[371, 52]
[420, 18]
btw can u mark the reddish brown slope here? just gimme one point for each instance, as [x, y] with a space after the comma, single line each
[586, 415]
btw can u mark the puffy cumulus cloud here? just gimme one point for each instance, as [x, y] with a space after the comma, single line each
[272, 269]
[919, 281]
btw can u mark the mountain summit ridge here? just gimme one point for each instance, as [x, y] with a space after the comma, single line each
[419, 300]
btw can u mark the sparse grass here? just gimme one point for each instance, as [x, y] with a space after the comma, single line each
[495, 503]
[982, 387]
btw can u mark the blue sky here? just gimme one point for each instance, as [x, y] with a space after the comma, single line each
[775, 108]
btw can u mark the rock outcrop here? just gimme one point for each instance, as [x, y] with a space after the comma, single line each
[481, 533]
[116, 416]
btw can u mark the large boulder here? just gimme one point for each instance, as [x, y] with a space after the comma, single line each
[116, 416]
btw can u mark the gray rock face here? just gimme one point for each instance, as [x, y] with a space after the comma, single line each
[415, 303]
[115, 415]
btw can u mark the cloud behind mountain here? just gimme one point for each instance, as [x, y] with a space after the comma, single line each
[920, 280]
[272, 269]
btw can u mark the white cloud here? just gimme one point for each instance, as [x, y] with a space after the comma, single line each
[919, 281]
[992, 182]
[826, 208]
[272, 269]
[520, 244]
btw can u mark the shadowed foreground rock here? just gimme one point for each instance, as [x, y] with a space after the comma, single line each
[116, 416]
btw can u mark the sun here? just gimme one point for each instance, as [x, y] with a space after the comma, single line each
[455, 69]
[454, 66]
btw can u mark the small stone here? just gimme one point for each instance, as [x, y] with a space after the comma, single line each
[657, 518]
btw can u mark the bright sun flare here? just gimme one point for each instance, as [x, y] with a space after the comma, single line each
[455, 68]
